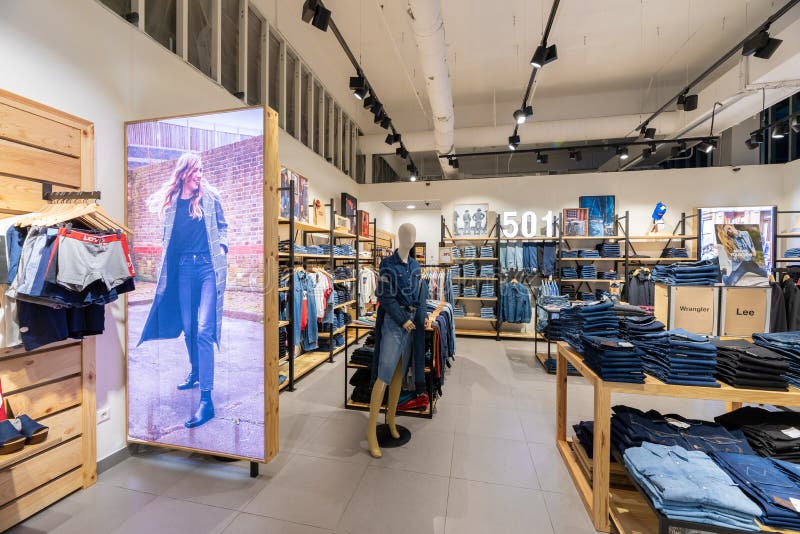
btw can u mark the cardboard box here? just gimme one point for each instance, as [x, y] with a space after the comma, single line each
[744, 311]
[693, 308]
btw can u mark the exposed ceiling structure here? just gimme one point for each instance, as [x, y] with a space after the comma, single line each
[618, 61]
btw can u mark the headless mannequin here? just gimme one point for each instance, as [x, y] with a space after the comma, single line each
[406, 237]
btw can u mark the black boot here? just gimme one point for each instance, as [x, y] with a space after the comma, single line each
[190, 382]
[204, 412]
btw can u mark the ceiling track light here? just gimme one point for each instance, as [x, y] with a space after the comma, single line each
[369, 101]
[647, 152]
[761, 45]
[358, 84]
[393, 138]
[780, 130]
[687, 102]
[575, 155]
[523, 114]
[678, 150]
[707, 146]
[650, 133]
[386, 122]
[453, 162]
[379, 117]
[513, 142]
[622, 152]
[402, 152]
[376, 108]
[317, 14]
[542, 158]
[794, 124]
[537, 61]
[413, 172]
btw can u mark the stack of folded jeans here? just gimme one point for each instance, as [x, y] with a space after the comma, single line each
[787, 344]
[458, 311]
[343, 273]
[590, 319]
[688, 273]
[487, 251]
[609, 250]
[456, 290]
[588, 272]
[487, 270]
[569, 253]
[284, 277]
[470, 252]
[587, 297]
[774, 485]
[771, 434]
[792, 253]
[746, 365]
[674, 252]
[487, 290]
[631, 427]
[470, 291]
[588, 253]
[317, 249]
[363, 355]
[487, 313]
[613, 359]
[455, 270]
[549, 303]
[679, 357]
[283, 345]
[688, 486]
[584, 431]
[457, 252]
[608, 275]
[636, 328]
[469, 270]
[569, 273]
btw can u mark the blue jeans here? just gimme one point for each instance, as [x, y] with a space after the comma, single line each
[197, 293]
[396, 345]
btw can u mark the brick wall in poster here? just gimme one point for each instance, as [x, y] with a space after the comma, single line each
[237, 171]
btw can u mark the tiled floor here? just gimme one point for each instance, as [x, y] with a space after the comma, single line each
[485, 463]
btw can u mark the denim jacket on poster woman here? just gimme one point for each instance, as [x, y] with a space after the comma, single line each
[401, 289]
[164, 319]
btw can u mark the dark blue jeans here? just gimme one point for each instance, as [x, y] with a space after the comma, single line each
[197, 292]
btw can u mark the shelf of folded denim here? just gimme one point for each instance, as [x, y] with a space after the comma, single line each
[588, 260]
[665, 237]
[474, 259]
[343, 304]
[475, 318]
[674, 252]
[588, 253]
[741, 363]
[679, 357]
[613, 359]
[787, 344]
[472, 278]
[591, 319]
[590, 237]
[648, 259]
[550, 364]
[470, 238]
[772, 434]
[698, 273]
[477, 298]
[569, 273]
[687, 489]
[582, 445]
[588, 272]
[335, 332]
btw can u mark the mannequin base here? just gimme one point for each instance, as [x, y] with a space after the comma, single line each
[385, 439]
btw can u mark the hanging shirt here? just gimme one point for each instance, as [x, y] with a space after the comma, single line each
[190, 233]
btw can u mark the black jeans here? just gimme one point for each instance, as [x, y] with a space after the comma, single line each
[198, 299]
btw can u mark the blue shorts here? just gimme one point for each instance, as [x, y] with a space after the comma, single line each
[396, 344]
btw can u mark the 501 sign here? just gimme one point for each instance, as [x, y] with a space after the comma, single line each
[526, 225]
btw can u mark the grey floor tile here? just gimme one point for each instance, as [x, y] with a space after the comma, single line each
[82, 512]
[428, 452]
[341, 437]
[256, 524]
[396, 502]
[478, 508]
[297, 429]
[494, 460]
[311, 491]
[550, 468]
[567, 514]
[492, 422]
[540, 427]
[488, 394]
[153, 472]
[168, 516]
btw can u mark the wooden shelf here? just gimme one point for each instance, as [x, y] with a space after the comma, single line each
[343, 304]
[351, 365]
[306, 227]
[477, 298]
[787, 236]
[343, 234]
[305, 363]
[535, 238]
[590, 259]
[364, 406]
[476, 278]
[468, 318]
[475, 259]
[281, 289]
[590, 238]
[283, 323]
[335, 332]
[303, 255]
[787, 260]
[365, 239]
[656, 260]
[344, 281]
[657, 238]
[492, 333]
[456, 239]
[591, 281]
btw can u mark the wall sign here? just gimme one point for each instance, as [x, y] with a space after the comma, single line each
[525, 224]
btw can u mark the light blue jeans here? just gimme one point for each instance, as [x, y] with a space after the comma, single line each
[396, 345]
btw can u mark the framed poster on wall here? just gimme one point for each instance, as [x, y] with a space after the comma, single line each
[743, 239]
[470, 220]
[300, 195]
[202, 375]
[364, 226]
[349, 208]
[602, 210]
[575, 222]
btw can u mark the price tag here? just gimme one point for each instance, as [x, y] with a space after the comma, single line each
[676, 423]
[795, 503]
[792, 432]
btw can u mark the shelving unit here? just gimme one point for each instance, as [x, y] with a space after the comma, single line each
[626, 511]
[780, 247]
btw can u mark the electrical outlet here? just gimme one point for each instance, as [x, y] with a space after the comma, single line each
[103, 415]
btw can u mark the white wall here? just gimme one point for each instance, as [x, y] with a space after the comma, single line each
[81, 58]
[637, 192]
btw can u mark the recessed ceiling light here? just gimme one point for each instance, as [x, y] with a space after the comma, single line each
[411, 206]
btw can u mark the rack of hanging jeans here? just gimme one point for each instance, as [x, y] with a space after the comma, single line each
[549, 301]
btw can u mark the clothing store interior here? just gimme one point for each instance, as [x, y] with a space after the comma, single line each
[420, 266]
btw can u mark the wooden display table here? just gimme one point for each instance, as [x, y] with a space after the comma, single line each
[628, 510]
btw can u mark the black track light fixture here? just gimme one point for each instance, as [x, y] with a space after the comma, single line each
[707, 146]
[317, 14]
[369, 101]
[648, 133]
[544, 55]
[575, 155]
[132, 17]
[412, 172]
[454, 162]
[513, 142]
[647, 152]
[386, 122]
[379, 117]
[678, 150]
[542, 158]
[687, 102]
[755, 139]
[780, 130]
[402, 152]
[359, 87]
[393, 138]
[761, 45]
[376, 108]
[522, 115]
[622, 152]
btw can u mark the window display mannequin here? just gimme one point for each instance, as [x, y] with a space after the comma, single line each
[399, 330]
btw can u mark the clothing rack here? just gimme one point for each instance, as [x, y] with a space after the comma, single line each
[49, 194]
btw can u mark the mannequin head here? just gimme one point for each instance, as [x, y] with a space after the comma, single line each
[406, 237]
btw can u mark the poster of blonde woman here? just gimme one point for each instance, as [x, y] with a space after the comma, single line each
[741, 255]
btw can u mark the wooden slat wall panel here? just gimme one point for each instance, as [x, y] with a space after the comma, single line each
[24, 507]
[20, 350]
[48, 399]
[25, 371]
[26, 162]
[25, 127]
[63, 426]
[22, 196]
[28, 475]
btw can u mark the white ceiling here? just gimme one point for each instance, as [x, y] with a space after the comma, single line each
[646, 48]
[419, 205]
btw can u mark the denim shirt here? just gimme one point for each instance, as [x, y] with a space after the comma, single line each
[398, 287]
